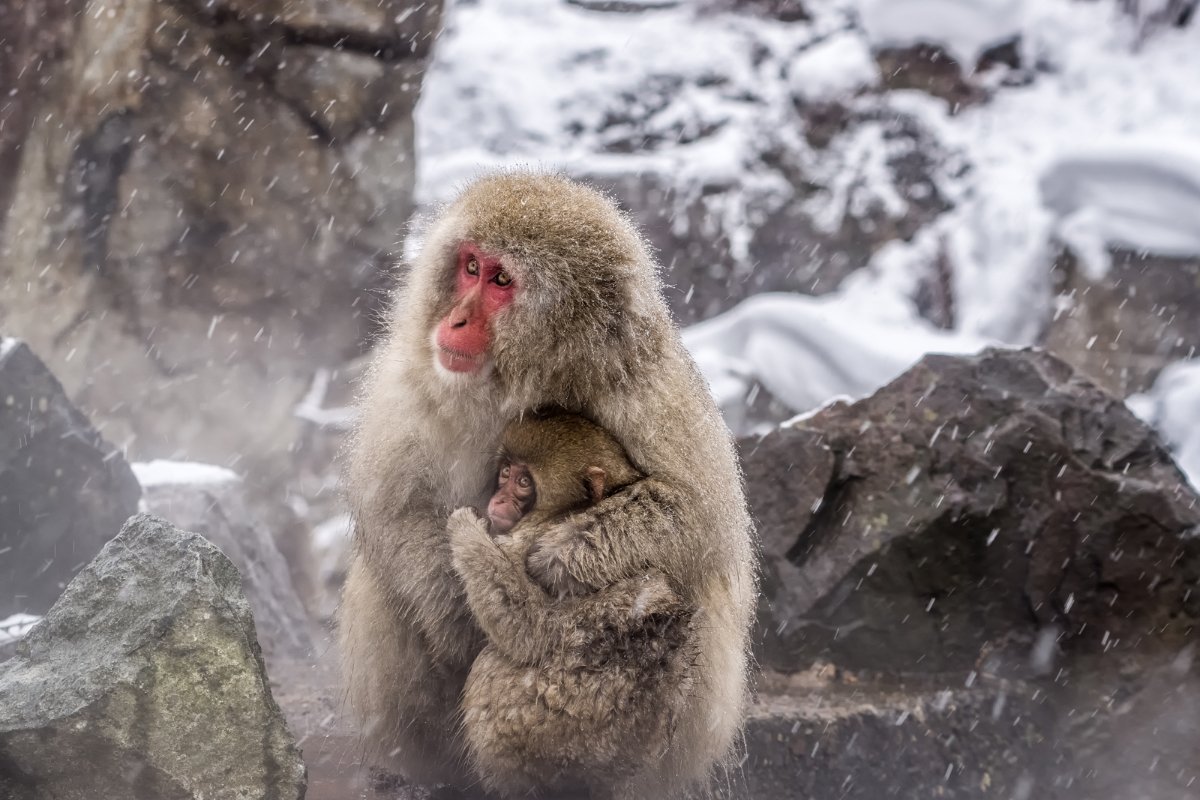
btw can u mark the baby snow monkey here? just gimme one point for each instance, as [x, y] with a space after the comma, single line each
[579, 685]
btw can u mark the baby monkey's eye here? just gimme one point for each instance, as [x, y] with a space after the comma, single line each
[502, 278]
[524, 482]
[504, 471]
[472, 266]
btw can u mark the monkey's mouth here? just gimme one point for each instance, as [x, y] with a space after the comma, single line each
[456, 361]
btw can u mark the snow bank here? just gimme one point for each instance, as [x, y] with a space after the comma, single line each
[1172, 406]
[832, 69]
[963, 28]
[806, 350]
[169, 473]
[14, 627]
[1142, 194]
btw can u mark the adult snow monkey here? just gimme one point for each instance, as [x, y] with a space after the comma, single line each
[578, 688]
[534, 291]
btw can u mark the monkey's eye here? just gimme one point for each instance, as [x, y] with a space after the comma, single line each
[504, 472]
[524, 482]
[472, 266]
[502, 278]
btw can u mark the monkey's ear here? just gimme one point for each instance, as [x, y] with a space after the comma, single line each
[594, 478]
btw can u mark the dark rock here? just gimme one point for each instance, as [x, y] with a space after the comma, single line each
[206, 212]
[1122, 329]
[219, 512]
[64, 490]
[145, 680]
[970, 502]
[981, 581]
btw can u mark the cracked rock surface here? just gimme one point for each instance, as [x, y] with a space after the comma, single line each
[201, 202]
[146, 680]
[990, 571]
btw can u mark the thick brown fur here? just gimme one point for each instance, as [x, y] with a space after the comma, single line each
[577, 692]
[589, 333]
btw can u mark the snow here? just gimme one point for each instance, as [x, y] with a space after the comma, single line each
[1139, 193]
[806, 350]
[14, 627]
[832, 69]
[1096, 142]
[1173, 407]
[171, 473]
[7, 343]
[312, 406]
[963, 28]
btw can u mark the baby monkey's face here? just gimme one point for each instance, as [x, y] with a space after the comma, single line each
[514, 497]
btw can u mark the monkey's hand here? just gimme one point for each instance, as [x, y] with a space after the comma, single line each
[469, 539]
[621, 536]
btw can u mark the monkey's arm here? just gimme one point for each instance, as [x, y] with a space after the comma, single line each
[529, 626]
[621, 536]
[410, 559]
[519, 618]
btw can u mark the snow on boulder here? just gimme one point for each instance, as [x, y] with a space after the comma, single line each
[145, 680]
[161, 472]
[1172, 406]
[1143, 195]
[833, 68]
[963, 28]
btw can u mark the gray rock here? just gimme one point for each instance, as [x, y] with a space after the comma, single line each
[145, 680]
[206, 211]
[981, 581]
[971, 501]
[1122, 329]
[64, 490]
[220, 513]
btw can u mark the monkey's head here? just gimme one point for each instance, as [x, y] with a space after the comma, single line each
[551, 464]
[542, 285]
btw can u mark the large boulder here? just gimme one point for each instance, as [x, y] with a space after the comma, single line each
[145, 680]
[212, 502]
[989, 570]
[64, 490]
[970, 500]
[202, 205]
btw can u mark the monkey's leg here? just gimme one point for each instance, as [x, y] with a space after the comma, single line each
[551, 731]
[616, 538]
[407, 700]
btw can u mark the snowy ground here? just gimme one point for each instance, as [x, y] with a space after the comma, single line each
[1101, 144]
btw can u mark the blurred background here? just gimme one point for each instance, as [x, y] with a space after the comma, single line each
[204, 202]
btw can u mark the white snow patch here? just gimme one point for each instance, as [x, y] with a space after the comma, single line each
[14, 627]
[7, 343]
[963, 28]
[833, 69]
[171, 473]
[805, 350]
[1173, 407]
[1141, 193]
[312, 406]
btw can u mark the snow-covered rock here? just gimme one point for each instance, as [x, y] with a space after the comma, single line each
[1172, 406]
[963, 28]
[1142, 194]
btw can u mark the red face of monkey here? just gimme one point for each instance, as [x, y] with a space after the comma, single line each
[515, 495]
[482, 288]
